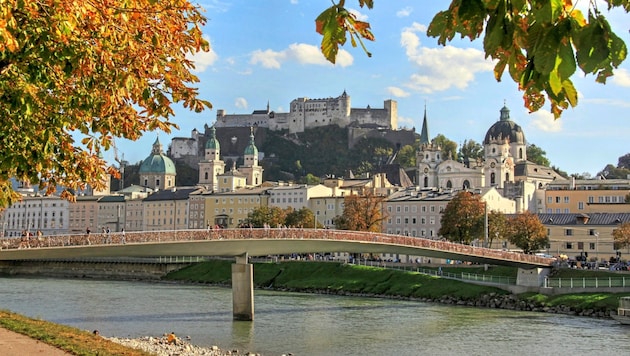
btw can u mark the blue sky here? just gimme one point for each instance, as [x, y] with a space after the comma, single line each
[268, 51]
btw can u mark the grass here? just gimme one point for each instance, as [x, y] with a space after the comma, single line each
[336, 277]
[72, 340]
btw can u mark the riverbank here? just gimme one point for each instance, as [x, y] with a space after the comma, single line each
[364, 281]
[23, 336]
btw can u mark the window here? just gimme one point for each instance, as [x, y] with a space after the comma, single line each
[566, 200]
[569, 246]
[581, 205]
[568, 232]
[557, 200]
[591, 246]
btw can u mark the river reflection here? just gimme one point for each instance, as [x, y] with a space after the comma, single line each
[305, 324]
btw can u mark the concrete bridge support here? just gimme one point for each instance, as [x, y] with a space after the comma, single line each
[533, 277]
[243, 289]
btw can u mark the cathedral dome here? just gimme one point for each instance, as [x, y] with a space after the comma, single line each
[157, 162]
[251, 149]
[505, 129]
[213, 143]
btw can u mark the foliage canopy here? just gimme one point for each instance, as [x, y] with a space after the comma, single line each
[75, 75]
[540, 43]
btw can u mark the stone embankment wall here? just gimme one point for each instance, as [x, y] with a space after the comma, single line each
[90, 269]
[492, 300]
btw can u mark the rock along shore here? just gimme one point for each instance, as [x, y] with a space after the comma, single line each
[170, 345]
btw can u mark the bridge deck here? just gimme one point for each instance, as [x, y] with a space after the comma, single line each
[253, 242]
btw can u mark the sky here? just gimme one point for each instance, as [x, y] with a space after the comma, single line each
[268, 52]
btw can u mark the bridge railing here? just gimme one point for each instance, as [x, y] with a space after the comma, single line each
[266, 233]
[593, 282]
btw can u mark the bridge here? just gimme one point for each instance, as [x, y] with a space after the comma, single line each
[244, 243]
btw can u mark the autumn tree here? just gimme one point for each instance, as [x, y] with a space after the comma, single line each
[498, 227]
[527, 232]
[540, 43]
[75, 75]
[621, 236]
[302, 217]
[463, 218]
[265, 215]
[361, 213]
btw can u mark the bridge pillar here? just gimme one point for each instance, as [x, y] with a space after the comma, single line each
[243, 289]
[533, 277]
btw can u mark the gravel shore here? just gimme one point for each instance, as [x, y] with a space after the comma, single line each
[171, 345]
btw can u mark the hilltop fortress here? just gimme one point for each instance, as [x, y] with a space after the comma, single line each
[233, 129]
[307, 113]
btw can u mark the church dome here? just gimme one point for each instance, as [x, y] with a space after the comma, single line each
[157, 162]
[213, 143]
[505, 129]
[251, 149]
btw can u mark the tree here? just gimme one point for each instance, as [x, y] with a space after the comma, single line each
[361, 213]
[498, 227]
[303, 217]
[527, 232]
[612, 172]
[271, 216]
[537, 155]
[471, 150]
[449, 148]
[406, 157]
[621, 236]
[463, 218]
[540, 43]
[75, 75]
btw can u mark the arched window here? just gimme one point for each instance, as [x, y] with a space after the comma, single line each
[157, 182]
[466, 184]
[449, 184]
[507, 177]
[426, 182]
[146, 182]
[492, 178]
[206, 176]
[520, 153]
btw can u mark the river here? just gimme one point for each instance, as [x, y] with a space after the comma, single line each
[306, 324]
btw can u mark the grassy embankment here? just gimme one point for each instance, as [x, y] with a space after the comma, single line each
[72, 340]
[340, 278]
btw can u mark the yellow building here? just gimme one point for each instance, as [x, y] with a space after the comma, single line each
[230, 209]
[588, 234]
[587, 196]
[167, 209]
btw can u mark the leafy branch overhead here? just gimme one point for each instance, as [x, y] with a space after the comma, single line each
[540, 43]
[75, 75]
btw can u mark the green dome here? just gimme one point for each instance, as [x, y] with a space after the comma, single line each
[157, 162]
[251, 149]
[213, 143]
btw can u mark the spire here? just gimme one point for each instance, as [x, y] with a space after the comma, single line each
[424, 134]
[505, 112]
[157, 147]
[268, 111]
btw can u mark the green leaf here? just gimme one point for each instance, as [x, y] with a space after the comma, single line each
[570, 92]
[554, 82]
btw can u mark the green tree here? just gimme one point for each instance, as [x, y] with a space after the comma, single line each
[471, 149]
[311, 179]
[406, 157]
[527, 232]
[537, 155]
[361, 213]
[449, 148]
[463, 218]
[540, 43]
[75, 75]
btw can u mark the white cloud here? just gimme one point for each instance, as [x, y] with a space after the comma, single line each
[203, 60]
[441, 68]
[621, 78]
[543, 120]
[609, 102]
[299, 52]
[294, 2]
[398, 92]
[405, 122]
[241, 103]
[359, 16]
[404, 12]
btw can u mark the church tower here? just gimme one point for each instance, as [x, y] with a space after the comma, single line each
[157, 171]
[250, 168]
[212, 165]
[428, 157]
[504, 146]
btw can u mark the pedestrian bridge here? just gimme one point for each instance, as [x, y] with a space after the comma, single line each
[244, 243]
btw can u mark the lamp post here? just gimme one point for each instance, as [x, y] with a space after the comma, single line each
[597, 246]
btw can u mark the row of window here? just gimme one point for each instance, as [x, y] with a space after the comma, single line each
[423, 209]
[591, 199]
[414, 233]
